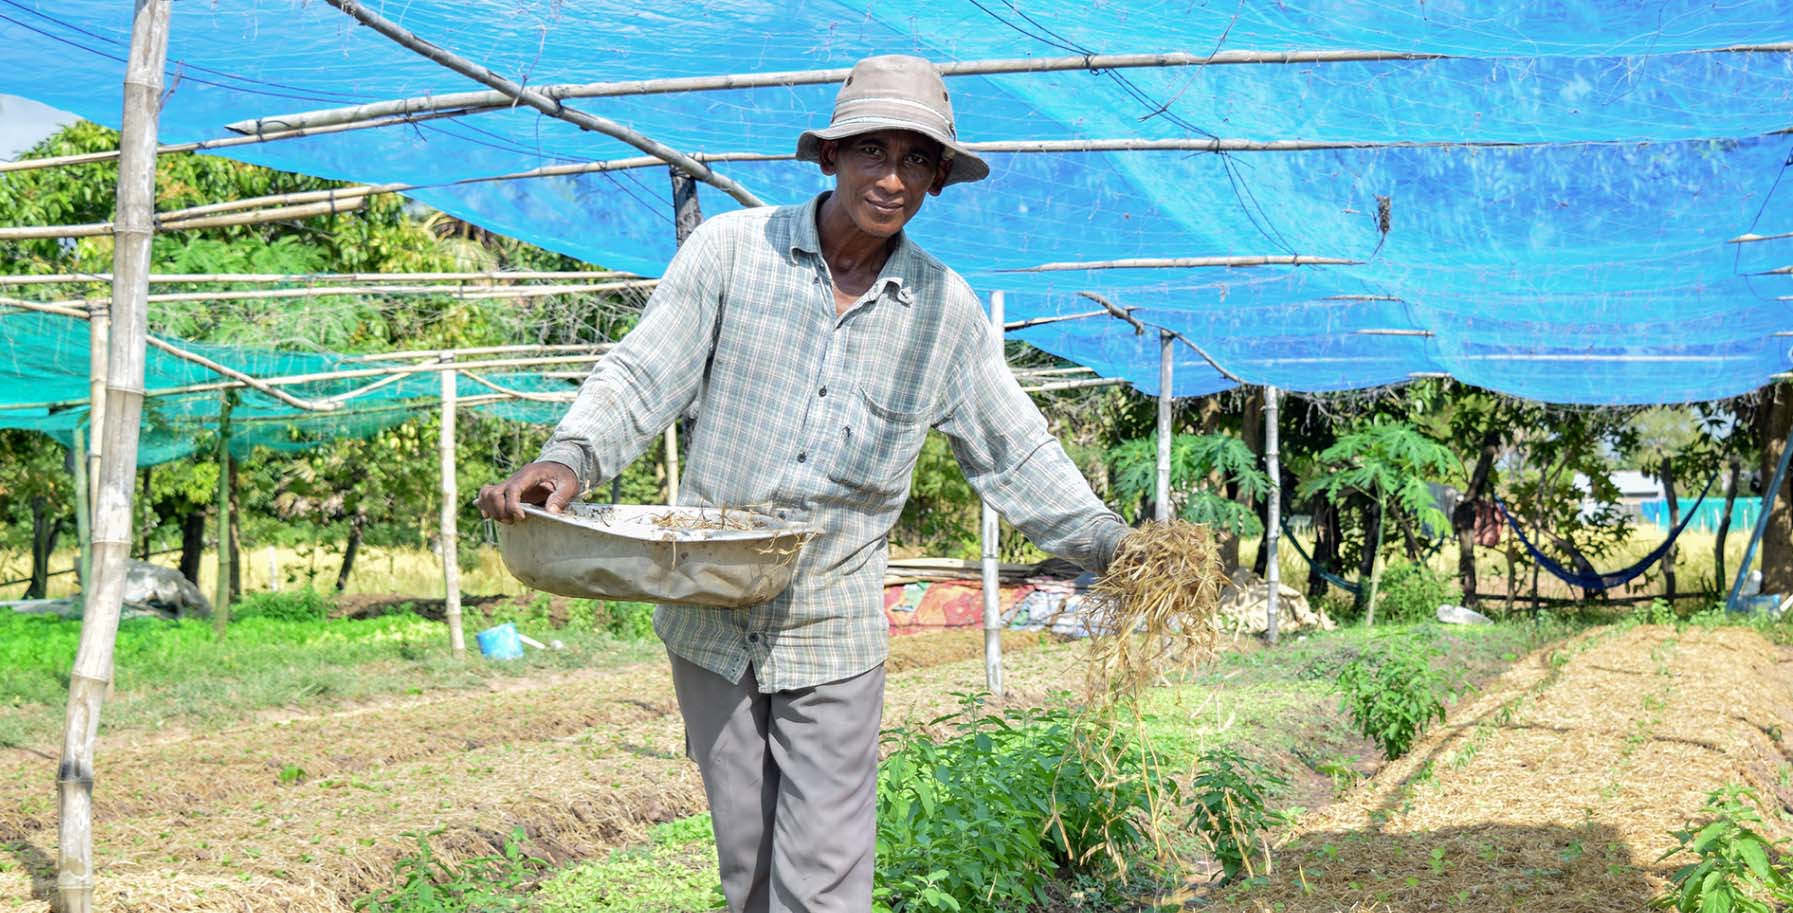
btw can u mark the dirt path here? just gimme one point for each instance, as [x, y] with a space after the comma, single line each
[1557, 790]
[307, 814]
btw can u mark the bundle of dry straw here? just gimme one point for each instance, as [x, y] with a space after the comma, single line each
[1155, 611]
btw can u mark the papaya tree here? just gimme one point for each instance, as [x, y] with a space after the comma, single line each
[1387, 464]
[1202, 469]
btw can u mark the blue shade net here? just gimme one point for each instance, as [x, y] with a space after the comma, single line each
[1544, 210]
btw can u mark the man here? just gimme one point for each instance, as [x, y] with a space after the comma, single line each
[818, 345]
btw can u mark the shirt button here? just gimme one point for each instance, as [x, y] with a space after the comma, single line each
[822, 392]
[753, 637]
[802, 457]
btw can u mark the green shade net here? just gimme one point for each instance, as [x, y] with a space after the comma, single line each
[44, 387]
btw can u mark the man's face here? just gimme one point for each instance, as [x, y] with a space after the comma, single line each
[881, 178]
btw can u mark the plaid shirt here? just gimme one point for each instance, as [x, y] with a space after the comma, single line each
[819, 419]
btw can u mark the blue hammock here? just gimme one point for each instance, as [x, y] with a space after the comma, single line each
[1334, 579]
[1591, 579]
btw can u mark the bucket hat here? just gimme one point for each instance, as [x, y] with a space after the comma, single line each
[895, 92]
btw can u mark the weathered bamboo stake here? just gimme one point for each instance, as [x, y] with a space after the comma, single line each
[592, 347]
[492, 276]
[516, 93]
[451, 562]
[92, 671]
[99, 329]
[1075, 384]
[687, 214]
[221, 604]
[473, 101]
[566, 397]
[1161, 490]
[1034, 373]
[1189, 262]
[95, 229]
[990, 530]
[78, 447]
[1273, 525]
[269, 136]
[1210, 360]
[461, 292]
[1753, 238]
[348, 374]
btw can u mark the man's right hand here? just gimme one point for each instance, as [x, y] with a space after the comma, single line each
[548, 484]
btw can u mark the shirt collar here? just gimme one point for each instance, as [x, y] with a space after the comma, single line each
[897, 267]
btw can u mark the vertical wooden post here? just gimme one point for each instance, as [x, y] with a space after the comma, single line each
[221, 603]
[92, 672]
[686, 216]
[991, 533]
[449, 535]
[1161, 493]
[1273, 525]
[83, 510]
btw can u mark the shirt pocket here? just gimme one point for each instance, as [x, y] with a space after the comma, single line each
[878, 447]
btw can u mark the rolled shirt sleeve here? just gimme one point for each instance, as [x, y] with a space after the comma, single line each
[654, 373]
[1012, 459]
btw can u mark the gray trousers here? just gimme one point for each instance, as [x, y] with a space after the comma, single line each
[792, 782]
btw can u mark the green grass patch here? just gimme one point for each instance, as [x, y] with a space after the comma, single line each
[675, 872]
[282, 654]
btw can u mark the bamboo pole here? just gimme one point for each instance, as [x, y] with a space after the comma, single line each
[269, 136]
[92, 671]
[83, 509]
[1075, 384]
[596, 348]
[257, 217]
[492, 276]
[1210, 360]
[1273, 524]
[566, 397]
[1188, 262]
[99, 329]
[221, 604]
[687, 214]
[459, 292]
[515, 93]
[1161, 491]
[1755, 238]
[990, 531]
[349, 374]
[451, 562]
[474, 101]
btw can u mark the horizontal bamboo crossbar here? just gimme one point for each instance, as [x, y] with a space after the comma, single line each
[109, 155]
[478, 101]
[1754, 239]
[490, 276]
[253, 217]
[471, 293]
[1188, 262]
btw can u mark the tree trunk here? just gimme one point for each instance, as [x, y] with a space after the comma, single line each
[1733, 467]
[1409, 541]
[192, 543]
[236, 539]
[1774, 417]
[1366, 564]
[45, 527]
[149, 514]
[1667, 473]
[1326, 546]
[348, 553]
[1369, 615]
[1464, 516]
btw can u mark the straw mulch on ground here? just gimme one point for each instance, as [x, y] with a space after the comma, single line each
[1557, 788]
[203, 821]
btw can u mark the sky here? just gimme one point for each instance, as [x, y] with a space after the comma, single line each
[23, 122]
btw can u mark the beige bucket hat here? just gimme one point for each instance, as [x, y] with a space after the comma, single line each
[895, 92]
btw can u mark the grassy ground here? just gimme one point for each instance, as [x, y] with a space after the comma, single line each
[179, 675]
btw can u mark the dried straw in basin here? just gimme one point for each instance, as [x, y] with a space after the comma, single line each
[1155, 611]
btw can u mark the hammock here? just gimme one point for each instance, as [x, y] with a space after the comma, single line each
[1590, 579]
[1334, 579]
